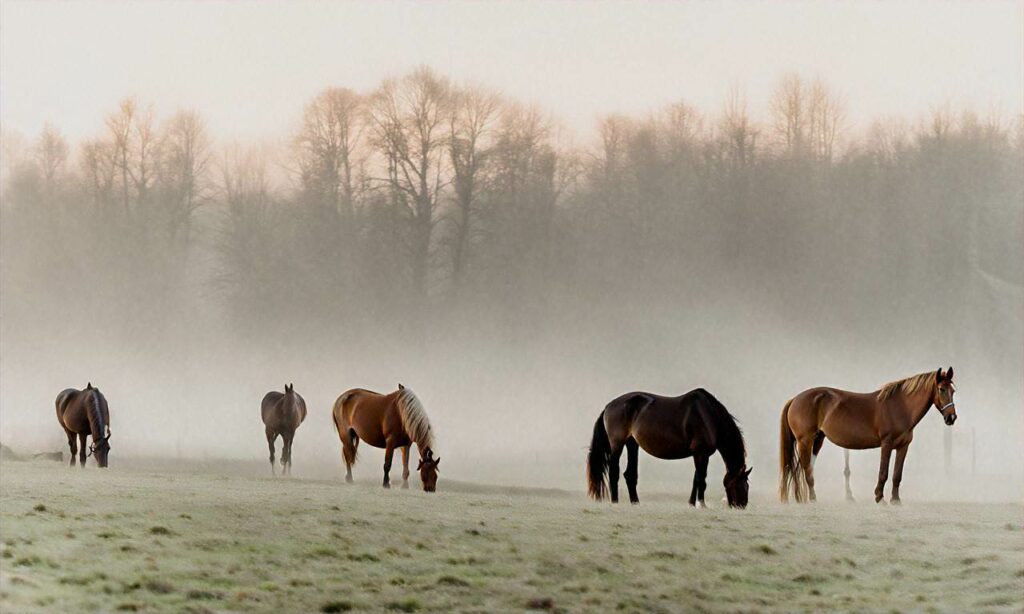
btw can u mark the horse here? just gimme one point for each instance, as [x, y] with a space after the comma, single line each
[82, 413]
[884, 418]
[695, 424]
[282, 414]
[388, 421]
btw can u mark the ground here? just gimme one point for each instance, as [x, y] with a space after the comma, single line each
[150, 540]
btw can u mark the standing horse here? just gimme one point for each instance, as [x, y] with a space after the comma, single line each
[857, 421]
[388, 421]
[282, 414]
[82, 413]
[695, 424]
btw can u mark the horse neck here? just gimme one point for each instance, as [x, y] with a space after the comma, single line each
[729, 441]
[919, 403]
[94, 412]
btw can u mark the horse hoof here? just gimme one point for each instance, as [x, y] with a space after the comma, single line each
[386, 485]
[896, 502]
[405, 486]
[348, 479]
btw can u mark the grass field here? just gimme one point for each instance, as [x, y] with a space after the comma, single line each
[149, 540]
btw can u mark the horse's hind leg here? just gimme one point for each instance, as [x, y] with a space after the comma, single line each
[613, 472]
[700, 480]
[286, 452]
[846, 475]
[81, 449]
[73, 444]
[271, 436]
[632, 460]
[805, 449]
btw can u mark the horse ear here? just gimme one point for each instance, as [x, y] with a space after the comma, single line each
[437, 461]
[88, 386]
[747, 472]
[938, 375]
[949, 374]
[400, 386]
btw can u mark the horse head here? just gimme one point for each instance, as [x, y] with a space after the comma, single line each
[100, 449]
[943, 397]
[737, 487]
[428, 470]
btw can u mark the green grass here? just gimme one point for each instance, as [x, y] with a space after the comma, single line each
[85, 540]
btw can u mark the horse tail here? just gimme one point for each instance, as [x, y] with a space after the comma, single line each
[789, 463]
[349, 444]
[597, 461]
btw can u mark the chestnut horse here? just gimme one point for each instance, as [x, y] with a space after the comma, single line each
[857, 421]
[695, 424]
[82, 413]
[282, 415]
[388, 421]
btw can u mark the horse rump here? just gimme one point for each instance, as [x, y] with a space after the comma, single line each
[790, 475]
[597, 461]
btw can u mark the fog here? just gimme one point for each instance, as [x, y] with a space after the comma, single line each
[517, 264]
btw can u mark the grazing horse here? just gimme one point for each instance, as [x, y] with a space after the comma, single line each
[282, 414]
[82, 413]
[857, 421]
[695, 424]
[388, 421]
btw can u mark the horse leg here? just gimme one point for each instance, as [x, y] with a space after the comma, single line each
[286, 453]
[846, 474]
[883, 470]
[897, 473]
[405, 467]
[632, 460]
[81, 449]
[348, 453]
[389, 452]
[271, 436]
[700, 483]
[805, 449]
[73, 444]
[613, 472]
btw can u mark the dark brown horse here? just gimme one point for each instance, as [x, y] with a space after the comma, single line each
[857, 421]
[388, 421]
[82, 413]
[695, 424]
[282, 415]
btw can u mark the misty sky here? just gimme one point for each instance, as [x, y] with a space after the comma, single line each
[249, 68]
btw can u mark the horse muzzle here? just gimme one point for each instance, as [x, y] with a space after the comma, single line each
[950, 419]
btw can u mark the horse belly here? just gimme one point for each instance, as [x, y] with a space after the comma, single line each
[849, 431]
[661, 443]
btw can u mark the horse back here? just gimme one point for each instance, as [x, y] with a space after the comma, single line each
[369, 413]
[848, 419]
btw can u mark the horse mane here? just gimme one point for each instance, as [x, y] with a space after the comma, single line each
[96, 415]
[414, 419]
[728, 435]
[907, 385]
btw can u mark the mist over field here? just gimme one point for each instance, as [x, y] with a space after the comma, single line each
[517, 265]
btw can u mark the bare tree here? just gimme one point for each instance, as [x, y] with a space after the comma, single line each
[409, 120]
[471, 133]
[327, 148]
[185, 165]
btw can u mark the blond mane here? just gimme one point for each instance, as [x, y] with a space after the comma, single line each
[414, 419]
[908, 385]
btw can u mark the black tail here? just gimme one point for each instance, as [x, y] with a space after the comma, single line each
[597, 461]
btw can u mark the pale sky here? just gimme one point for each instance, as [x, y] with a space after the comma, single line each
[250, 67]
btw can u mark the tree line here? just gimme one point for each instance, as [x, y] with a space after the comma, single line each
[430, 205]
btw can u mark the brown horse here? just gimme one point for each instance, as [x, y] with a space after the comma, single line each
[695, 424]
[388, 421]
[857, 421]
[82, 413]
[282, 415]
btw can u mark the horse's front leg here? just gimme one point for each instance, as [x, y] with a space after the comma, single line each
[389, 452]
[405, 467]
[271, 436]
[700, 480]
[883, 470]
[81, 449]
[897, 474]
